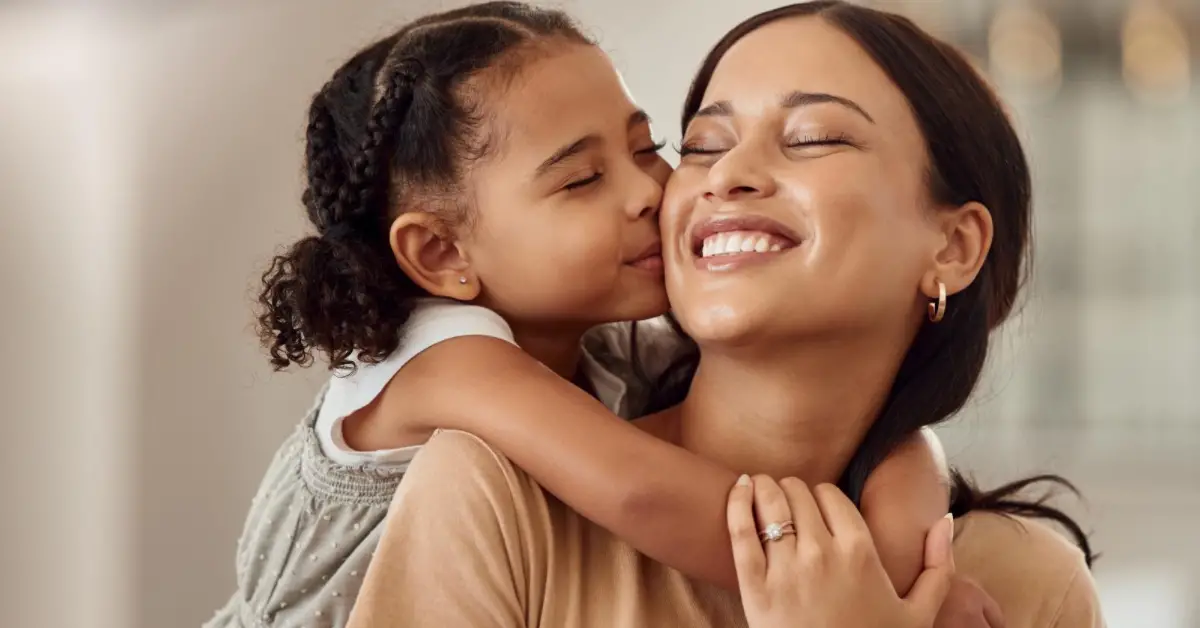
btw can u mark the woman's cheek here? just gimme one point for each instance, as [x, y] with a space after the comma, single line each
[684, 186]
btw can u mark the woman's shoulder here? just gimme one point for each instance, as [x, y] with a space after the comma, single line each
[1037, 576]
[459, 471]
[453, 456]
[980, 534]
[464, 517]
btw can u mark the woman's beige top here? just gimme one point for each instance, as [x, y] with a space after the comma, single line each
[472, 541]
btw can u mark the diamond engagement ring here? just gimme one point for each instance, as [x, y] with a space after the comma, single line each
[777, 531]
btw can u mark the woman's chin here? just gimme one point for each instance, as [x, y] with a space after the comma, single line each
[724, 323]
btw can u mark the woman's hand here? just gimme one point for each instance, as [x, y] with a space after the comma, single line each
[969, 606]
[823, 571]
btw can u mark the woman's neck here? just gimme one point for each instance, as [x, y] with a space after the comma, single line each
[800, 413]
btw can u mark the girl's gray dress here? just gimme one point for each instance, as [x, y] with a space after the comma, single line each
[314, 524]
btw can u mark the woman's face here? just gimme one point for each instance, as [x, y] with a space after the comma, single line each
[800, 205]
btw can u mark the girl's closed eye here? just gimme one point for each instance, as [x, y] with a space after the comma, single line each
[652, 149]
[582, 181]
[648, 156]
[587, 179]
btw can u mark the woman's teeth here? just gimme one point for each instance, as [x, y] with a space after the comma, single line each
[734, 242]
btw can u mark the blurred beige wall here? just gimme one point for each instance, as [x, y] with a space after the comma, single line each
[149, 164]
[66, 286]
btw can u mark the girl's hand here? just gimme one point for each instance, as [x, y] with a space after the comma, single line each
[823, 571]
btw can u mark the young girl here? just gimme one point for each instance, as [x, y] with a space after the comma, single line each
[480, 181]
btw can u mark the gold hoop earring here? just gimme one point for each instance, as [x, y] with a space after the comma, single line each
[938, 310]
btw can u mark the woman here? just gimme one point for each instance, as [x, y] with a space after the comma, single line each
[875, 176]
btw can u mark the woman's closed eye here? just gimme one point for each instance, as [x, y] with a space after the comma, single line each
[699, 148]
[809, 140]
[802, 142]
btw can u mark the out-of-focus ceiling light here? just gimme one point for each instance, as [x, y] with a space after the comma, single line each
[1155, 59]
[1025, 48]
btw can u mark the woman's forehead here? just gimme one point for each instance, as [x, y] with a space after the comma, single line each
[806, 55]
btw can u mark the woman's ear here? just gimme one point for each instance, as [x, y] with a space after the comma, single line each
[431, 256]
[967, 238]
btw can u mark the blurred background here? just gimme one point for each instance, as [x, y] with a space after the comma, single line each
[150, 160]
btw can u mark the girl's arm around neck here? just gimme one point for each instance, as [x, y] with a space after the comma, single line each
[663, 500]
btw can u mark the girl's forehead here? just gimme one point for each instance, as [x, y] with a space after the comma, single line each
[560, 98]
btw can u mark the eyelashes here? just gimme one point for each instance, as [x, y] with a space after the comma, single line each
[595, 177]
[582, 183]
[823, 139]
[685, 149]
[804, 141]
[654, 148]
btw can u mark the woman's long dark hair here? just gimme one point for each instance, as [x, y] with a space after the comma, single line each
[974, 155]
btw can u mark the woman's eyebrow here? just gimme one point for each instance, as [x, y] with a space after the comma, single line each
[724, 108]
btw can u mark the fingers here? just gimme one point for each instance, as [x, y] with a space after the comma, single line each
[810, 525]
[848, 528]
[771, 507]
[992, 613]
[926, 596]
[748, 556]
[967, 604]
[770, 502]
[842, 518]
[939, 544]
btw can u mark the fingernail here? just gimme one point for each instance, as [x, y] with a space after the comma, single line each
[950, 536]
[744, 480]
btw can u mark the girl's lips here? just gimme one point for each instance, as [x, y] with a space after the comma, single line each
[653, 263]
[649, 259]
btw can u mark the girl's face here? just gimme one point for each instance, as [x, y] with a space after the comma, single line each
[565, 221]
[800, 205]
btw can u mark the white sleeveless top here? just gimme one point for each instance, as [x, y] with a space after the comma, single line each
[431, 322]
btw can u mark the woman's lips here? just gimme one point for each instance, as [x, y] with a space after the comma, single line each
[723, 243]
[777, 232]
[737, 242]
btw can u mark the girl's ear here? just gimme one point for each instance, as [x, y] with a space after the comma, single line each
[431, 256]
